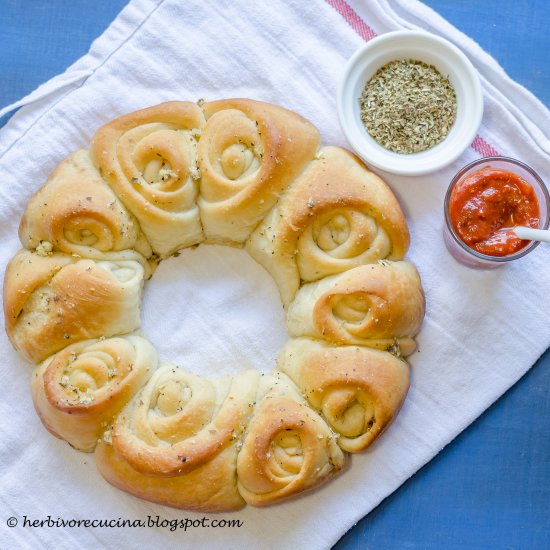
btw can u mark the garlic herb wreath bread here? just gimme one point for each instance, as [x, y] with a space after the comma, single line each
[237, 172]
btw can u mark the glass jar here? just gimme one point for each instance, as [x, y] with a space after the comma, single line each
[458, 248]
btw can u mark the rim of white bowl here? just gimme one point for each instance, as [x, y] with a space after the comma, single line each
[406, 44]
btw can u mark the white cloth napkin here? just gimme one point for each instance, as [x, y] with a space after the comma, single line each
[213, 310]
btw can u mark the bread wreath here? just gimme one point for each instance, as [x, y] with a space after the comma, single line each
[237, 172]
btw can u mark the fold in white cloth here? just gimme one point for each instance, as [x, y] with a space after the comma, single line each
[483, 329]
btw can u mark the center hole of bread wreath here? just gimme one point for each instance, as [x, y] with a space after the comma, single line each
[214, 310]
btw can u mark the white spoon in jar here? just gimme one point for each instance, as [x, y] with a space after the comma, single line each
[530, 234]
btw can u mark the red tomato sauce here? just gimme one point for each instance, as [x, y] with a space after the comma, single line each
[487, 204]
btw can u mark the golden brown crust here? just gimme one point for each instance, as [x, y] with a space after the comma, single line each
[78, 391]
[358, 390]
[209, 488]
[148, 157]
[24, 274]
[337, 215]
[287, 448]
[77, 213]
[180, 421]
[249, 152]
[377, 305]
[53, 301]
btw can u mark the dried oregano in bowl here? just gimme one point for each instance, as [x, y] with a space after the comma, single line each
[408, 106]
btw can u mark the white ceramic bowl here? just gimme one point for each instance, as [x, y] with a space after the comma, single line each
[449, 61]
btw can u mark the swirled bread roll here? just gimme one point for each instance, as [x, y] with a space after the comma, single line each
[78, 391]
[357, 390]
[149, 158]
[249, 152]
[377, 305]
[337, 215]
[56, 300]
[211, 487]
[287, 448]
[76, 212]
[180, 421]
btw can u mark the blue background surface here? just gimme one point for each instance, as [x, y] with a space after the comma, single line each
[490, 488]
